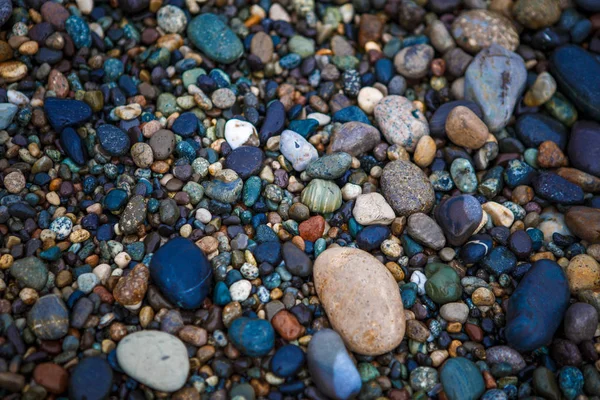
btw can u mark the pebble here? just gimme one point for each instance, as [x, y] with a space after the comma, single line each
[534, 129]
[425, 231]
[583, 272]
[443, 284]
[400, 122]
[406, 188]
[322, 196]
[66, 112]
[372, 209]
[297, 149]
[475, 30]
[7, 113]
[92, 378]
[253, 337]
[214, 38]
[354, 138]
[413, 62]
[581, 322]
[537, 14]
[459, 217]
[156, 359]
[48, 319]
[240, 133]
[465, 129]
[494, 81]
[5, 11]
[330, 166]
[371, 321]
[584, 147]
[584, 222]
[461, 379]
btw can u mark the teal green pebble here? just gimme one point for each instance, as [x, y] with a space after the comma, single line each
[79, 31]
[331, 166]
[214, 38]
[113, 69]
[443, 283]
[302, 46]
[461, 379]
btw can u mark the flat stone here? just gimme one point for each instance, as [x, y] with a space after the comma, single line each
[475, 30]
[423, 229]
[66, 112]
[461, 379]
[372, 209]
[296, 261]
[214, 38]
[584, 222]
[30, 272]
[49, 318]
[581, 322]
[156, 359]
[361, 299]
[354, 138]
[297, 149]
[459, 217]
[7, 113]
[113, 140]
[406, 188]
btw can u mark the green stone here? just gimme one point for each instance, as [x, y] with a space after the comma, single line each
[545, 384]
[302, 46]
[195, 190]
[30, 272]
[367, 372]
[330, 166]
[167, 104]
[322, 196]
[214, 38]
[345, 63]
[190, 76]
[562, 109]
[443, 283]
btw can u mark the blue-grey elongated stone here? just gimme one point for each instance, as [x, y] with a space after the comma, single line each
[494, 81]
[214, 38]
[330, 366]
[7, 112]
[461, 379]
[30, 272]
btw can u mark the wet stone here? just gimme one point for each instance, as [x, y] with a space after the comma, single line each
[406, 188]
[214, 38]
[49, 318]
[458, 217]
[113, 140]
[92, 378]
[354, 138]
[400, 122]
[475, 30]
[66, 112]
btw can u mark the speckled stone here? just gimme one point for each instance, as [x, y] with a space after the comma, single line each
[214, 38]
[474, 30]
[400, 121]
[354, 138]
[406, 188]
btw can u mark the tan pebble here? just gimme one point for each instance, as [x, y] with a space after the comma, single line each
[79, 236]
[14, 182]
[425, 151]
[583, 273]
[464, 128]
[501, 216]
[6, 261]
[12, 71]
[368, 97]
[129, 111]
[483, 297]
[29, 296]
[29, 48]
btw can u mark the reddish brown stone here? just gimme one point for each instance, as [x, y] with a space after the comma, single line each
[370, 29]
[474, 332]
[584, 222]
[131, 289]
[589, 183]
[55, 13]
[550, 155]
[286, 324]
[312, 229]
[52, 377]
[193, 335]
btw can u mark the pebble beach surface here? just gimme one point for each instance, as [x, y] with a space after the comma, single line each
[300, 199]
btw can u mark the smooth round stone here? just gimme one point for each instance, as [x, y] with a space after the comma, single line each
[297, 150]
[171, 19]
[296, 261]
[584, 222]
[368, 98]
[214, 38]
[577, 73]
[354, 138]
[303, 46]
[406, 188]
[322, 196]
[583, 273]
[536, 14]
[475, 30]
[49, 318]
[437, 122]
[62, 226]
[287, 361]
[156, 359]
[584, 147]
[372, 209]
[464, 128]
[443, 283]
[371, 237]
[495, 81]
[113, 140]
[534, 129]
[455, 312]
[30, 272]
[424, 230]
[499, 261]
[245, 161]
[330, 366]
[162, 143]
[581, 321]
[262, 46]
[330, 166]
[413, 62]
[7, 111]
[505, 354]
[536, 308]
[182, 273]
[91, 379]
[461, 379]
[240, 133]
[555, 188]
[73, 145]
[66, 112]
[361, 299]
[463, 175]
[253, 337]
[400, 121]
[186, 125]
[459, 217]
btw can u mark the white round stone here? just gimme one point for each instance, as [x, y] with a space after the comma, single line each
[203, 215]
[297, 150]
[368, 97]
[249, 271]
[156, 359]
[419, 278]
[240, 290]
[239, 133]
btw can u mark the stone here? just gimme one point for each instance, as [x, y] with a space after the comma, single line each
[14, 182]
[214, 38]
[583, 273]
[406, 188]
[245, 161]
[584, 222]
[361, 299]
[296, 261]
[537, 14]
[464, 128]
[533, 129]
[113, 140]
[577, 73]
[162, 143]
[461, 379]
[297, 150]
[557, 189]
[370, 29]
[551, 156]
[494, 81]
[372, 209]
[371, 237]
[584, 147]
[66, 112]
[501, 215]
[182, 272]
[354, 138]
[274, 121]
[545, 384]
[171, 19]
[262, 46]
[330, 166]
[400, 121]
[505, 354]
[7, 113]
[322, 196]
[413, 62]
[423, 229]
[581, 322]
[443, 283]
[52, 377]
[91, 378]
[73, 145]
[303, 46]
[156, 359]
[287, 325]
[537, 306]
[49, 318]
[542, 90]
[131, 289]
[252, 337]
[12, 71]
[240, 133]
[287, 361]
[459, 217]
[475, 30]
[5, 11]
[30, 272]
[368, 98]
[331, 367]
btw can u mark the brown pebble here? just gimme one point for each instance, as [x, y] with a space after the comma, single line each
[131, 289]
[370, 29]
[286, 324]
[464, 128]
[584, 222]
[589, 183]
[550, 155]
[52, 377]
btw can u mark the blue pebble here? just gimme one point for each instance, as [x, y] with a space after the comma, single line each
[351, 113]
[461, 379]
[186, 125]
[91, 378]
[252, 337]
[66, 112]
[73, 145]
[221, 295]
[304, 127]
[499, 261]
[113, 140]
[371, 237]
[79, 31]
[384, 70]
[269, 252]
[287, 361]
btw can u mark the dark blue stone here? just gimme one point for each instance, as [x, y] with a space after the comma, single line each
[91, 379]
[437, 123]
[269, 252]
[499, 261]
[349, 114]
[520, 244]
[584, 147]
[41, 179]
[253, 337]
[21, 210]
[518, 173]
[371, 237]
[476, 248]
[105, 232]
[274, 121]
[384, 70]
[113, 140]
[186, 125]
[589, 5]
[287, 361]
[115, 200]
[304, 127]
[533, 129]
[182, 272]
[265, 234]
[537, 306]
[577, 73]
[461, 379]
[458, 217]
[127, 85]
[245, 161]
[557, 189]
[73, 145]
[66, 112]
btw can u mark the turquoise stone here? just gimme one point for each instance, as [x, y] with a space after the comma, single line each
[214, 38]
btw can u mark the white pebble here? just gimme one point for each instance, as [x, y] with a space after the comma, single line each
[239, 133]
[122, 259]
[368, 97]
[240, 290]
[419, 278]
